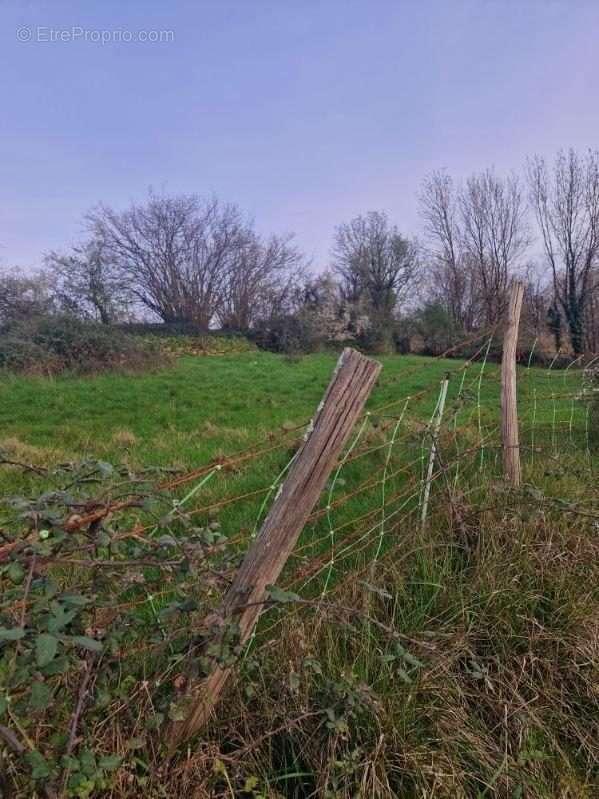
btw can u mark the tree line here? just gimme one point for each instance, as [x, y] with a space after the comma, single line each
[480, 235]
[188, 260]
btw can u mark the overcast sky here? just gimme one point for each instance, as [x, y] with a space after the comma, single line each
[305, 113]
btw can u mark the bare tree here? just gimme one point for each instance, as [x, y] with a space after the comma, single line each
[535, 319]
[495, 236]
[89, 282]
[175, 251]
[375, 263]
[452, 282]
[566, 203]
[22, 297]
[477, 236]
[259, 280]
[591, 317]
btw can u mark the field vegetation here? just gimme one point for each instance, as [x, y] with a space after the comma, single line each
[458, 658]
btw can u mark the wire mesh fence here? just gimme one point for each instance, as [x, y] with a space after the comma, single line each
[149, 560]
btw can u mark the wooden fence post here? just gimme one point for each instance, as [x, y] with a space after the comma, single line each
[509, 404]
[341, 406]
[436, 427]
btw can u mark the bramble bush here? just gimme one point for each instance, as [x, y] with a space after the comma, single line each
[105, 581]
[109, 588]
[18, 354]
[56, 343]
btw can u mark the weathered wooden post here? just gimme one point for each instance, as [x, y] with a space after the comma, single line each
[509, 403]
[342, 404]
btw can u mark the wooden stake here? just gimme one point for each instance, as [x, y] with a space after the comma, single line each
[436, 426]
[343, 402]
[509, 403]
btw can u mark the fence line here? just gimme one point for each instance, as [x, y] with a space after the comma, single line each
[362, 521]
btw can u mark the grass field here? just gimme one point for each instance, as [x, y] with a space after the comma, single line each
[183, 416]
[463, 662]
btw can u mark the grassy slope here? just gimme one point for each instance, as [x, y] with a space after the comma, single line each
[183, 415]
[240, 394]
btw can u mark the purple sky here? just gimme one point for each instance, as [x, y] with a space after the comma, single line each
[305, 113]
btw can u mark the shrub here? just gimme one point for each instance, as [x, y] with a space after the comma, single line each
[50, 344]
[290, 334]
[22, 297]
[86, 618]
[21, 355]
[377, 339]
[176, 329]
[436, 327]
[403, 330]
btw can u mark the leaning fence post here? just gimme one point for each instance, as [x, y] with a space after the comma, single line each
[509, 404]
[341, 406]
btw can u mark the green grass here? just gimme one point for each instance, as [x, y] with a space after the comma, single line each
[182, 416]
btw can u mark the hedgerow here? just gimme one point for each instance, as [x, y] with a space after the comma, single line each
[56, 343]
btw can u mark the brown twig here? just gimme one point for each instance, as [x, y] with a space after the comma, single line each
[26, 467]
[81, 697]
[74, 723]
[11, 740]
